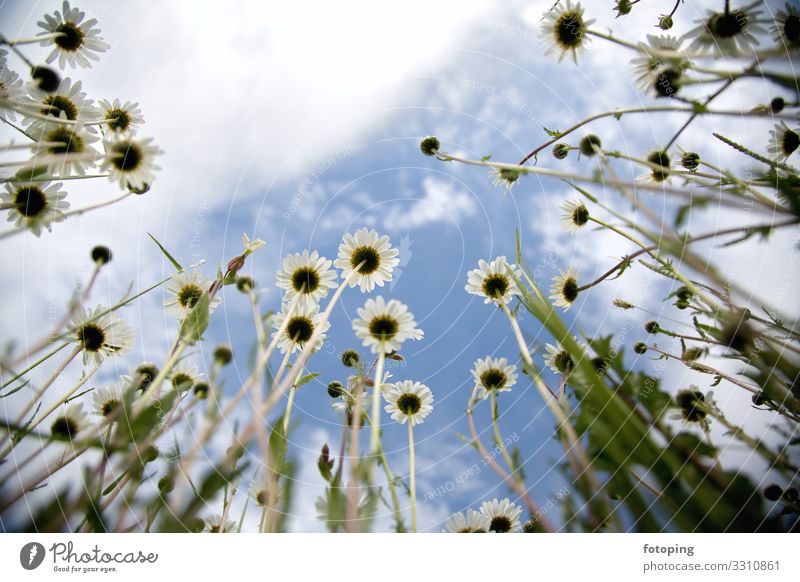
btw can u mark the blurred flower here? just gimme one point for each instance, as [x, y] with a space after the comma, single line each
[306, 274]
[251, 246]
[184, 375]
[11, 93]
[385, 325]
[131, 163]
[215, 524]
[106, 401]
[34, 205]
[305, 320]
[661, 173]
[783, 141]
[503, 516]
[564, 30]
[786, 30]
[77, 40]
[473, 522]
[120, 119]
[493, 281]
[493, 374]
[101, 336]
[408, 401]
[728, 32]
[655, 73]
[65, 149]
[371, 255]
[69, 423]
[184, 290]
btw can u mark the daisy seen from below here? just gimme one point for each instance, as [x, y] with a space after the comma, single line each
[300, 327]
[65, 149]
[11, 94]
[564, 30]
[565, 289]
[130, 162]
[655, 73]
[184, 375]
[69, 423]
[559, 359]
[408, 401]
[367, 259]
[786, 29]
[574, 215]
[728, 32]
[385, 325]
[68, 102]
[75, 40]
[783, 141]
[493, 375]
[119, 119]
[34, 205]
[306, 274]
[107, 401]
[505, 177]
[101, 335]
[493, 281]
[503, 516]
[215, 524]
[472, 522]
[184, 290]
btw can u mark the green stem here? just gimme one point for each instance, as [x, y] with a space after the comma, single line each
[412, 477]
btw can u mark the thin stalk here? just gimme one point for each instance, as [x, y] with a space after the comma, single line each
[498, 439]
[375, 420]
[412, 475]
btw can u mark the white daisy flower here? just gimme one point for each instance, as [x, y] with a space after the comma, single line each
[574, 215]
[306, 274]
[258, 491]
[305, 320]
[65, 149]
[503, 516]
[184, 375]
[786, 30]
[385, 325]
[131, 162]
[106, 401]
[375, 255]
[565, 289]
[493, 374]
[408, 400]
[558, 359]
[564, 30]
[120, 119]
[35, 205]
[504, 177]
[77, 40]
[67, 102]
[68, 423]
[12, 94]
[783, 141]
[473, 522]
[184, 290]
[101, 336]
[215, 524]
[729, 32]
[654, 73]
[493, 281]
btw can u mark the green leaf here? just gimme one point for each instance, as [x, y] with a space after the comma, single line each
[29, 173]
[175, 263]
[278, 447]
[519, 246]
[552, 132]
[305, 380]
[325, 465]
[196, 322]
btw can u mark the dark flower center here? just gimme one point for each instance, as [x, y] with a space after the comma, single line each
[569, 29]
[659, 158]
[305, 280]
[383, 327]
[667, 83]
[145, 373]
[493, 378]
[29, 201]
[791, 28]
[109, 406]
[689, 402]
[91, 336]
[570, 289]
[181, 380]
[55, 104]
[126, 156]
[70, 37]
[580, 215]
[409, 403]
[728, 24]
[495, 286]
[367, 255]
[470, 530]
[500, 524]
[300, 329]
[68, 141]
[189, 295]
[563, 362]
[790, 142]
[118, 119]
[64, 427]
[261, 497]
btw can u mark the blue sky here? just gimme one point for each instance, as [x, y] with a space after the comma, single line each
[299, 134]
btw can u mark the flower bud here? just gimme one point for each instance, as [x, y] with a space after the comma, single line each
[429, 145]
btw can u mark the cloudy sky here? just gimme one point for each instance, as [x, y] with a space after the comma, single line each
[298, 122]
